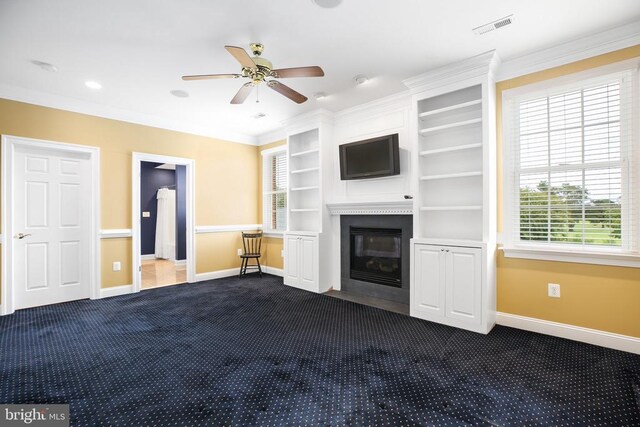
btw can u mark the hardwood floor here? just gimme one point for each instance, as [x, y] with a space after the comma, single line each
[162, 272]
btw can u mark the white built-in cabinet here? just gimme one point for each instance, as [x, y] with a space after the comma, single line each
[306, 241]
[454, 158]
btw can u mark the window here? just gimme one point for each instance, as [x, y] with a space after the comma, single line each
[570, 166]
[274, 197]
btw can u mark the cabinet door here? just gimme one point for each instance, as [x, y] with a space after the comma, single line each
[291, 259]
[464, 284]
[308, 262]
[428, 288]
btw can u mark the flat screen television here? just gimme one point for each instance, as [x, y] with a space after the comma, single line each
[371, 158]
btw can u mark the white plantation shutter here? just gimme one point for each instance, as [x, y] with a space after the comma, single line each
[275, 192]
[574, 169]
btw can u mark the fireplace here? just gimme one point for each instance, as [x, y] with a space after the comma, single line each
[376, 255]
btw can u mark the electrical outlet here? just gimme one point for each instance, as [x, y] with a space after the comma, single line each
[146, 214]
[239, 252]
[117, 266]
[554, 290]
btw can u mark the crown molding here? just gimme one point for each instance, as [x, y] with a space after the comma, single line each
[485, 63]
[272, 136]
[571, 51]
[60, 102]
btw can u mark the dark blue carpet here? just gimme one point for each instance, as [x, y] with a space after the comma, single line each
[255, 352]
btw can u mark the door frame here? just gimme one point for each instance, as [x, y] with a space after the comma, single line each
[9, 145]
[136, 216]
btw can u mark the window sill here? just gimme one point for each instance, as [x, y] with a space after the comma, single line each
[573, 256]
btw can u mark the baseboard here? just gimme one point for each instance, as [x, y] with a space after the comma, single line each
[147, 257]
[200, 277]
[115, 291]
[273, 270]
[575, 333]
[180, 262]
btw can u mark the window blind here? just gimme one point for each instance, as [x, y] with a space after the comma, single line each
[574, 165]
[275, 194]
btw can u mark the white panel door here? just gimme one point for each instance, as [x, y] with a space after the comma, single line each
[52, 196]
[291, 260]
[428, 288]
[309, 262]
[463, 278]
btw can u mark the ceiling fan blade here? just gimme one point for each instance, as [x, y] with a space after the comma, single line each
[283, 73]
[242, 94]
[241, 56]
[287, 91]
[211, 76]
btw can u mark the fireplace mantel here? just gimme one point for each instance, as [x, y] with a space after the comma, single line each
[401, 207]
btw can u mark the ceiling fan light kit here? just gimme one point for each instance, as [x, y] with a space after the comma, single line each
[260, 70]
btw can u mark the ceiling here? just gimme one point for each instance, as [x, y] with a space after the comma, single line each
[139, 49]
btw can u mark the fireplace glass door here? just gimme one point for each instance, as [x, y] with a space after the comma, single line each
[376, 255]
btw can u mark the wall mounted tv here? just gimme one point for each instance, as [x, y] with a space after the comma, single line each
[371, 158]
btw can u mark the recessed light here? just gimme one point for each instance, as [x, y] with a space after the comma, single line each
[45, 66]
[319, 95]
[361, 79]
[93, 85]
[327, 4]
[180, 93]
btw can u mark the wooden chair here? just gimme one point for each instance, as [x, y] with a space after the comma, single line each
[251, 246]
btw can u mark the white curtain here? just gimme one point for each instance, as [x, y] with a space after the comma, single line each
[166, 224]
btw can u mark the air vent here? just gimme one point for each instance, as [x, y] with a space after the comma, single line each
[495, 25]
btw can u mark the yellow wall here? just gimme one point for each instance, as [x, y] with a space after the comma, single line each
[598, 297]
[225, 189]
[272, 246]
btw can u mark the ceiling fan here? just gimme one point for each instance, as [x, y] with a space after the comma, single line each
[260, 70]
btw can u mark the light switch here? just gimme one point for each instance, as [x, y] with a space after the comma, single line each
[117, 266]
[146, 214]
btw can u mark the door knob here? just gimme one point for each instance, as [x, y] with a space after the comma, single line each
[21, 235]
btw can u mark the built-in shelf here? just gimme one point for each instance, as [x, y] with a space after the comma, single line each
[303, 153]
[450, 149]
[305, 210]
[315, 187]
[452, 208]
[450, 175]
[449, 126]
[304, 170]
[451, 108]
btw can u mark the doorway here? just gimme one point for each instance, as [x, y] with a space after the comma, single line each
[163, 231]
[50, 223]
[162, 221]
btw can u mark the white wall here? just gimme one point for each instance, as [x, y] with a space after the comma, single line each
[383, 117]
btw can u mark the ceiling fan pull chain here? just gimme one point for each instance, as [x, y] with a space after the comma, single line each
[257, 94]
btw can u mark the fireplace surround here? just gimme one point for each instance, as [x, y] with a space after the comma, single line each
[375, 256]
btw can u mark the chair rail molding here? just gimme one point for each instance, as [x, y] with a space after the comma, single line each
[202, 229]
[401, 207]
[115, 233]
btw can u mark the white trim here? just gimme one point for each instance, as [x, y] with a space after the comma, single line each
[403, 207]
[571, 51]
[272, 136]
[149, 257]
[137, 159]
[272, 270]
[203, 229]
[270, 151]
[211, 275]
[115, 233]
[575, 255]
[212, 130]
[575, 333]
[180, 262]
[0, 244]
[115, 291]
[9, 143]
